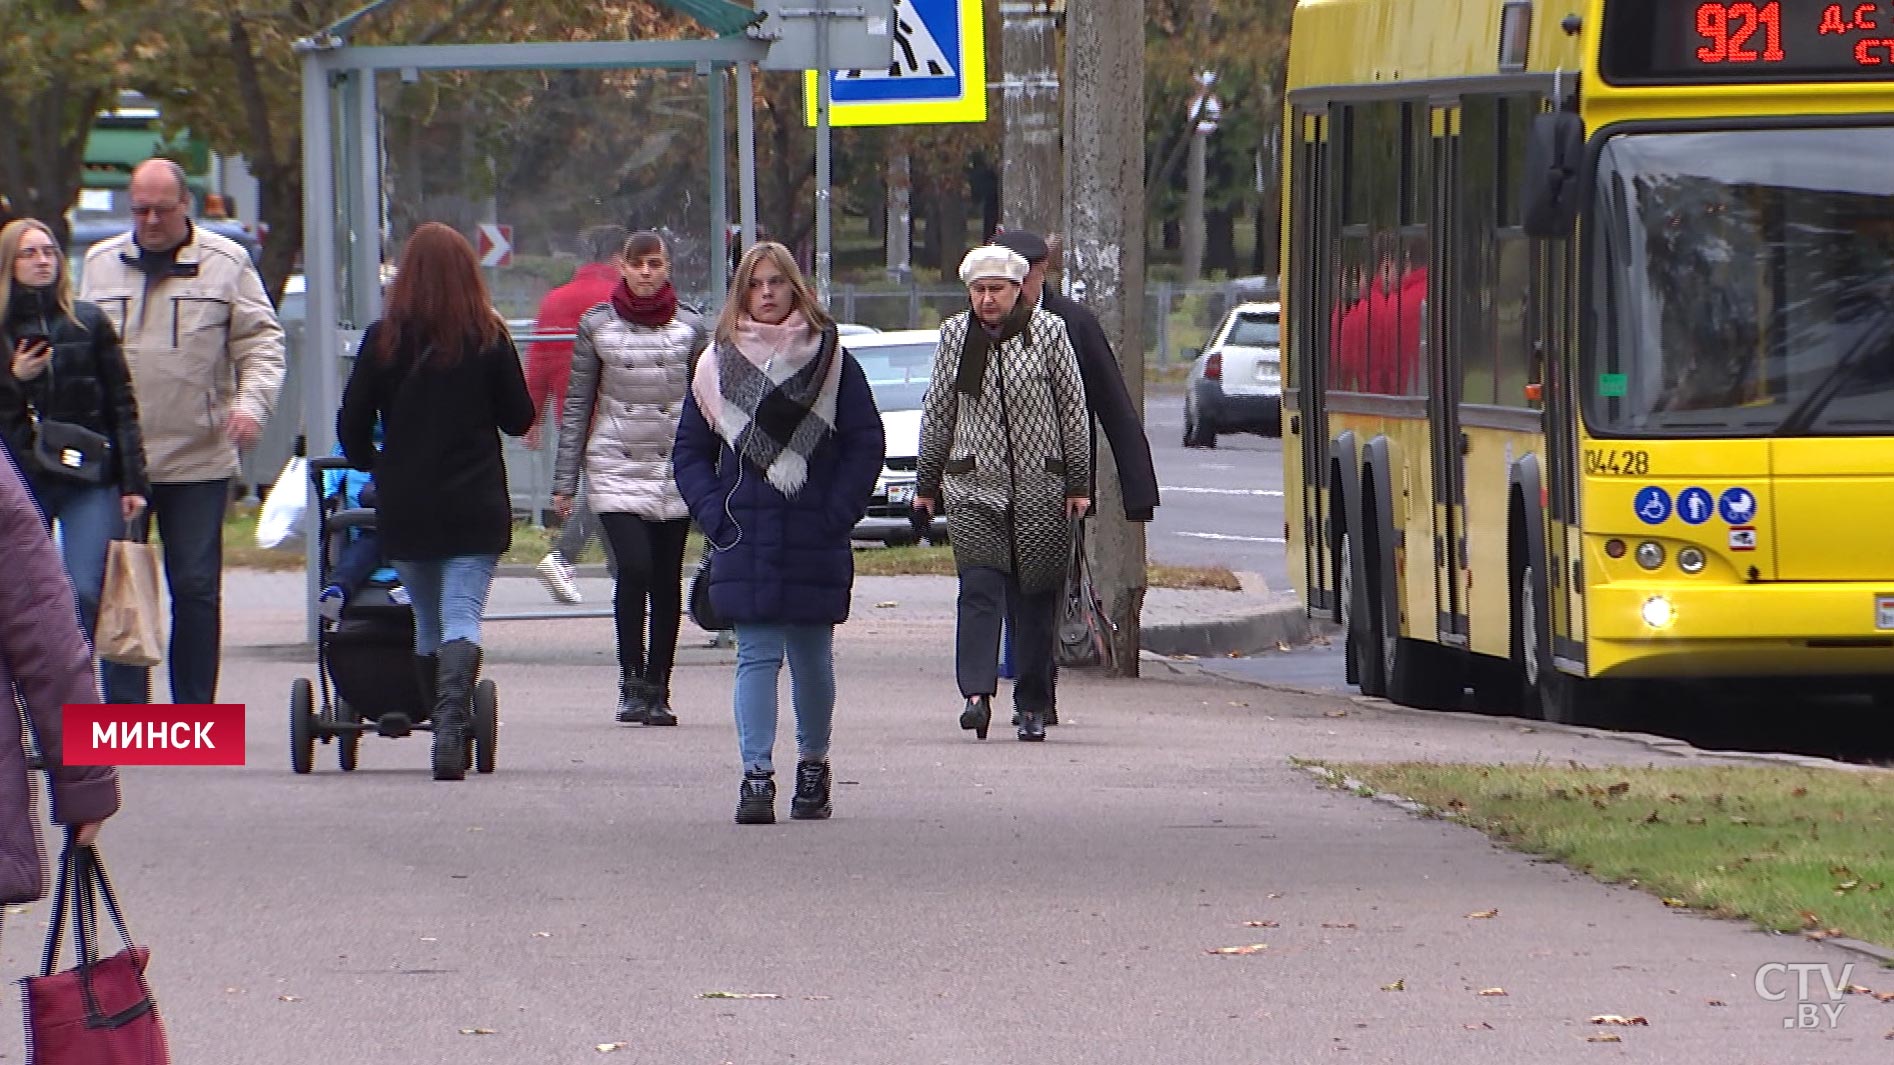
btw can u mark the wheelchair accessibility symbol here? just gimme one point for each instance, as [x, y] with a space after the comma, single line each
[1652, 505]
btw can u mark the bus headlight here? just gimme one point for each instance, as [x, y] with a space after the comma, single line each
[1657, 612]
[1691, 560]
[1650, 554]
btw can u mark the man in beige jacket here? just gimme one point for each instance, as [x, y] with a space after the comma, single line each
[206, 357]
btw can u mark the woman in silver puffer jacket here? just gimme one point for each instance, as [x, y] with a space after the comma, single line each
[631, 365]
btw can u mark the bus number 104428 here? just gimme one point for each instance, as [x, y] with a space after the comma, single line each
[1617, 463]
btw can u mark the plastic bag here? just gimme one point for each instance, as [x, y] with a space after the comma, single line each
[281, 522]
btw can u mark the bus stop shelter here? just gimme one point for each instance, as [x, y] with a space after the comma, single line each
[343, 171]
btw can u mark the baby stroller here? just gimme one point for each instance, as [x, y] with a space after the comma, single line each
[364, 659]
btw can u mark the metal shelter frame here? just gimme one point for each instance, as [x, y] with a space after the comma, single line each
[343, 195]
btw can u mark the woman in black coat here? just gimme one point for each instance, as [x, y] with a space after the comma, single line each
[441, 375]
[777, 453]
[64, 365]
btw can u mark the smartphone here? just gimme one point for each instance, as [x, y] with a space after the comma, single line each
[29, 337]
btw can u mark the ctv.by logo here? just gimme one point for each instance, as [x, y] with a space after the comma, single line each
[1818, 1003]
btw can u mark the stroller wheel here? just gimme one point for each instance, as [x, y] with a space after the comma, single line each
[302, 726]
[348, 742]
[486, 725]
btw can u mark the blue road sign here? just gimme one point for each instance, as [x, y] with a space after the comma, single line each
[1737, 506]
[938, 73]
[1695, 505]
[1652, 505]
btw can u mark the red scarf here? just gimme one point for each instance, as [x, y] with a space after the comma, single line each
[651, 312]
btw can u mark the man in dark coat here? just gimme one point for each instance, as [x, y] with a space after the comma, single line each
[1105, 392]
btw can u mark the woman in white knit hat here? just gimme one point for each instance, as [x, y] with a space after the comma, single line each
[1004, 445]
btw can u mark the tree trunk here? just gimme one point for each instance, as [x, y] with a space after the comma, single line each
[1033, 153]
[1173, 234]
[1219, 251]
[42, 153]
[1104, 188]
[951, 244]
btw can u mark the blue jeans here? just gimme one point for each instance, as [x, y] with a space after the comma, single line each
[190, 517]
[89, 520]
[760, 652]
[449, 595]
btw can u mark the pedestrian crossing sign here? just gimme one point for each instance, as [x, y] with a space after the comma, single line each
[938, 73]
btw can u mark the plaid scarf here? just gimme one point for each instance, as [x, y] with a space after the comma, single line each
[773, 411]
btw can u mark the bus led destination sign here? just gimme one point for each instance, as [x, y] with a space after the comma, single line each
[1654, 41]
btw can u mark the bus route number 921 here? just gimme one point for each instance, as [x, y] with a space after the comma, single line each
[1626, 463]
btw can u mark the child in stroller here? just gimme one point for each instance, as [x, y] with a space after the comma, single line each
[359, 559]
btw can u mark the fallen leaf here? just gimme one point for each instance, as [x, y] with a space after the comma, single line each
[429, 939]
[1612, 1018]
[1480, 915]
[1259, 924]
[1619, 788]
[607, 1048]
[1604, 1037]
[1398, 985]
[739, 994]
[1846, 886]
[1253, 948]
[289, 998]
[1856, 989]
[1338, 924]
[886, 604]
[1675, 904]
[1884, 996]
[1716, 1002]
[478, 1031]
[1524, 728]
[1493, 992]
[542, 935]
[1274, 895]
[1799, 792]
[1334, 713]
[1478, 1027]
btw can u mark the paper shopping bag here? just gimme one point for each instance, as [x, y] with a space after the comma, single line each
[130, 629]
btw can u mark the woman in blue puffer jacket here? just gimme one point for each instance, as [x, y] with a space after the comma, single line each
[777, 453]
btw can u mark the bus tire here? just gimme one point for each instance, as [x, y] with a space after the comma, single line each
[1417, 673]
[1549, 694]
[1361, 643]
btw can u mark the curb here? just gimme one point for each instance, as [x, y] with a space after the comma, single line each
[1238, 634]
[1879, 954]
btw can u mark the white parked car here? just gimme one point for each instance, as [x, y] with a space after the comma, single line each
[1236, 381]
[898, 366]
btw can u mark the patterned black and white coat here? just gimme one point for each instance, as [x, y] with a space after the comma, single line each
[1005, 461]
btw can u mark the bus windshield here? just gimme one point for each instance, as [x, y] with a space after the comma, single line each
[1746, 280]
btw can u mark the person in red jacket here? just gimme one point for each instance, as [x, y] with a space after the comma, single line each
[548, 365]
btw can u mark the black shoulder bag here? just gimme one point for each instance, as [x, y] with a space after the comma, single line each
[65, 449]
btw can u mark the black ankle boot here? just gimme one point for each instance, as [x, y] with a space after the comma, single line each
[453, 707]
[756, 799]
[812, 792]
[658, 701]
[633, 702]
[977, 715]
[1032, 725]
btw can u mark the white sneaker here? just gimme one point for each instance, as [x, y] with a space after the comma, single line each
[556, 574]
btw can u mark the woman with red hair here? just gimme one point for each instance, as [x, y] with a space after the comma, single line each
[442, 376]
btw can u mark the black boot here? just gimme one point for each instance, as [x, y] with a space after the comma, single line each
[453, 707]
[426, 669]
[633, 701]
[756, 799]
[812, 792]
[1032, 725]
[977, 715]
[658, 698]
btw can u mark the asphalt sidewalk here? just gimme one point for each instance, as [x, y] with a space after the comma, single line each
[996, 903]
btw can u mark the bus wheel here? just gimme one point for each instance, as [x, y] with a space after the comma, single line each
[1362, 646]
[1418, 673]
[1549, 694]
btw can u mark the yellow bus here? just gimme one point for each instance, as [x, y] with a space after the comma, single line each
[1589, 313]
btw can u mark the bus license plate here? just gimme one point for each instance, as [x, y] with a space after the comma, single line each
[904, 493]
[1884, 611]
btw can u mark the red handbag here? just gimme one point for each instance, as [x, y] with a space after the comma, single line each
[99, 1012]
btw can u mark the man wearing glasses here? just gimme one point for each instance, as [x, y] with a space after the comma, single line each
[206, 357]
